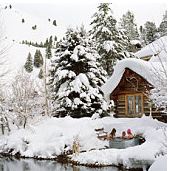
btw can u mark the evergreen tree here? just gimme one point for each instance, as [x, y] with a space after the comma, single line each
[54, 23]
[29, 64]
[142, 36]
[38, 59]
[76, 77]
[41, 44]
[163, 26]
[50, 43]
[46, 43]
[150, 32]
[55, 38]
[41, 74]
[128, 24]
[48, 52]
[111, 43]
[34, 27]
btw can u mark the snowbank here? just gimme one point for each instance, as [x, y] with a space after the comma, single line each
[54, 136]
[159, 164]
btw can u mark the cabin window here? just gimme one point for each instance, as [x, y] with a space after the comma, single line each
[134, 104]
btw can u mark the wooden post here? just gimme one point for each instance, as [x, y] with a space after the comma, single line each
[150, 107]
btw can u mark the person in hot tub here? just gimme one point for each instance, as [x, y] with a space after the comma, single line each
[124, 135]
[129, 134]
[112, 135]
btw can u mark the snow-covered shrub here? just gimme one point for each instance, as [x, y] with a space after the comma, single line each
[159, 93]
[23, 99]
[159, 97]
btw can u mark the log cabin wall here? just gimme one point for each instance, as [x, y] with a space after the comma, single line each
[132, 89]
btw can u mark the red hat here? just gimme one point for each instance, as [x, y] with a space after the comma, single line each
[129, 131]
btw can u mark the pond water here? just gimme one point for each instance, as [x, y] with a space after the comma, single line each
[7, 164]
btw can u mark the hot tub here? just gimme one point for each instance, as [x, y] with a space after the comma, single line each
[120, 143]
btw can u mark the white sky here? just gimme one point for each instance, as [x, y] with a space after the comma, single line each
[75, 13]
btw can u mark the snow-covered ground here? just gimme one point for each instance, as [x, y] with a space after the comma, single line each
[14, 28]
[14, 31]
[52, 136]
[159, 164]
[15, 58]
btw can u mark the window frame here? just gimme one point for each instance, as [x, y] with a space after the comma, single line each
[134, 103]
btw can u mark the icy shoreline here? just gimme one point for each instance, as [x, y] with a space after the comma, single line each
[54, 137]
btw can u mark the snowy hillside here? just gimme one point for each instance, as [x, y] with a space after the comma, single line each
[16, 58]
[16, 27]
[19, 26]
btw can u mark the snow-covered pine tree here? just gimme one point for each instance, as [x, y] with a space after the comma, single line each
[48, 52]
[29, 63]
[150, 32]
[129, 26]
[76, 77]
[41, 74]
[50, 41]
[38, 59]
[46, 43]
[111, 43]
[142, 36]
[163, 25]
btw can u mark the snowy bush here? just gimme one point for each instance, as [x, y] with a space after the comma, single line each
[23, 99]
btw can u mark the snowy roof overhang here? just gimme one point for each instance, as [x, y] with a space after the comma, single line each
[150, 71]
[153, 48]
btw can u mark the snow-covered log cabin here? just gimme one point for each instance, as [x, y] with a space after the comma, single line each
[130, 85]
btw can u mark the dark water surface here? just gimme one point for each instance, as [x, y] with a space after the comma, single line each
[7, 164]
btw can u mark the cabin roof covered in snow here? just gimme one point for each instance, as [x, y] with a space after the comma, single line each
[156, 47]
[150, 71]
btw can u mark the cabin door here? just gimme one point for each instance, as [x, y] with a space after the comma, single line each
[134, 104]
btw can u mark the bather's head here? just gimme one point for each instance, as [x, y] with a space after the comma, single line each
[123, 134]
[113, 132]
[129, 131]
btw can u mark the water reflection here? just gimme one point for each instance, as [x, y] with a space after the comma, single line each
[44, 165]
